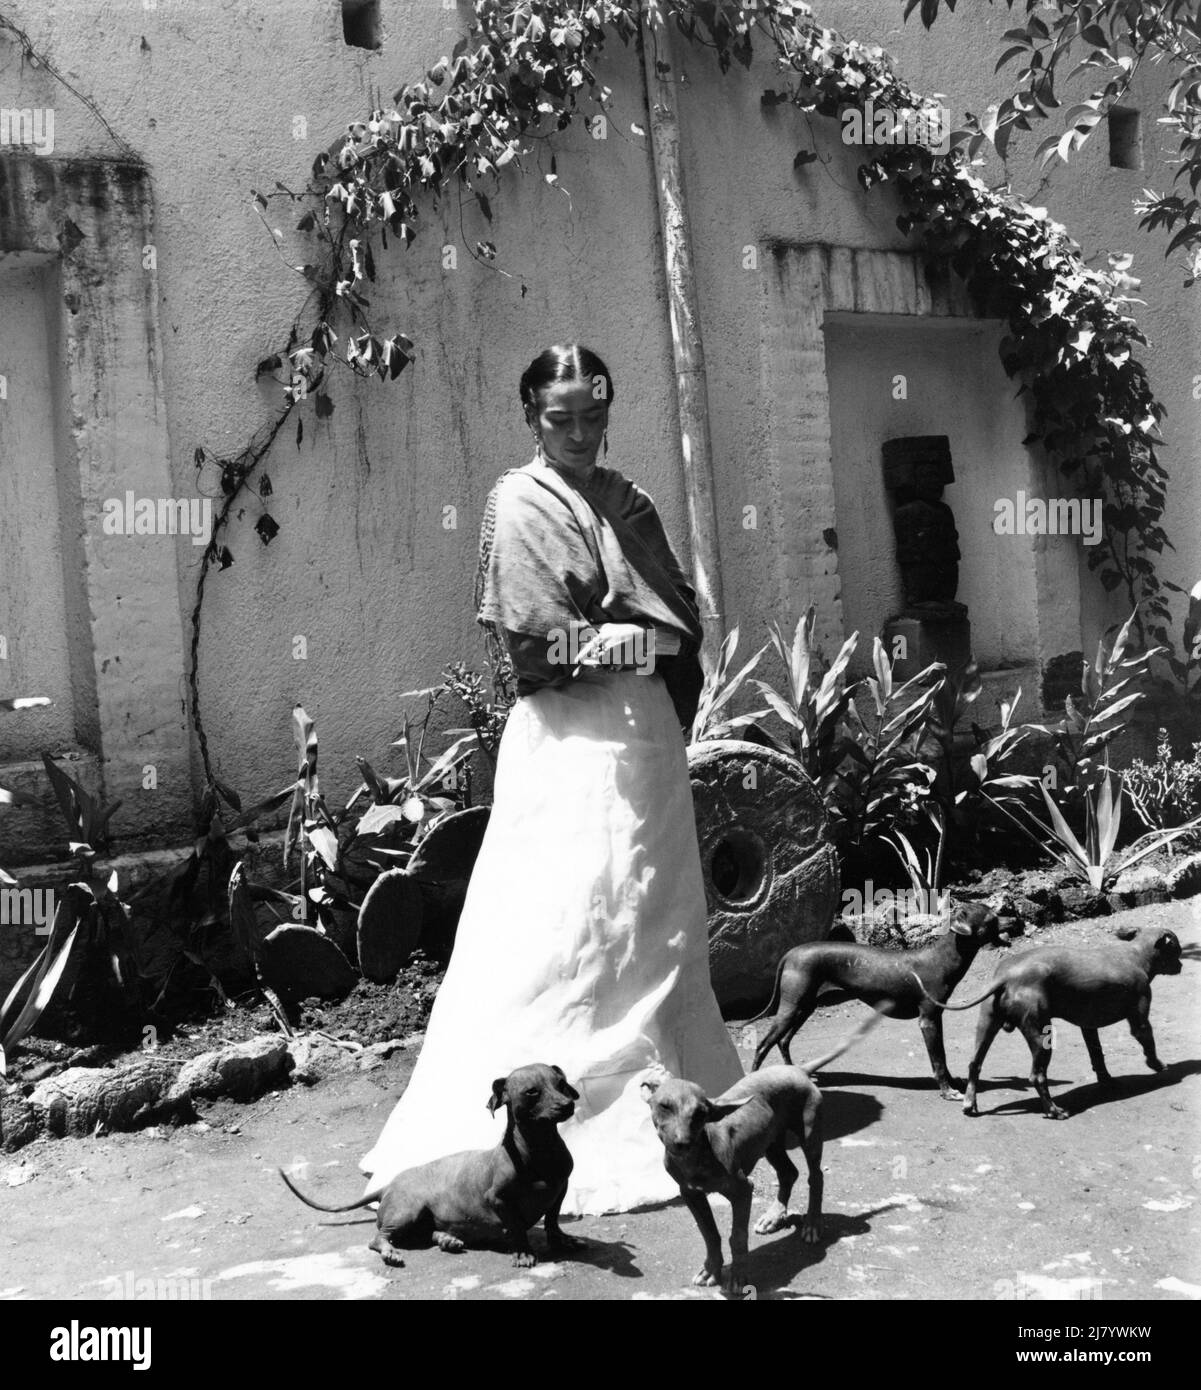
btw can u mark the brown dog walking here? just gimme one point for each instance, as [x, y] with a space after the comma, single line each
[1090, 986]
[883, 979]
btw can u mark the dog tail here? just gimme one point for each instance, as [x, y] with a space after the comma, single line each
[955, 1008]
[308, 1201]
[774, 1004]
[848, 1042]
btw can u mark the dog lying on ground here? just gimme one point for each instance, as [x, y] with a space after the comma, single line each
[484, 1194]
[713, 1145]
[883, 979]
[1090, 986]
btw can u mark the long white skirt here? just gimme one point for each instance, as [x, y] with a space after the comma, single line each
[582, 943]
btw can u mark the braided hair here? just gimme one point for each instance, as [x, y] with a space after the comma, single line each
[498, 657]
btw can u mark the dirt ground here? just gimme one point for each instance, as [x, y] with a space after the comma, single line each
[921, 1202]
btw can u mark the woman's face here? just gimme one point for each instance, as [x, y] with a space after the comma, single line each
[572, 423]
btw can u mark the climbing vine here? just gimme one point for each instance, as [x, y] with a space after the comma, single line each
[524, 71]
[30, 55]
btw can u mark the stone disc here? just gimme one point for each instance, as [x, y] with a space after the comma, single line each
[771, 874]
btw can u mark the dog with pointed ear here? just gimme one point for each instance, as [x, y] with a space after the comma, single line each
[885, 980]
[681, 1111]
[713, 1144]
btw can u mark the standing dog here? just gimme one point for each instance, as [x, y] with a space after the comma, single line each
[712, 1146]
[484, 1193]
[883, 979]
[1090, 986]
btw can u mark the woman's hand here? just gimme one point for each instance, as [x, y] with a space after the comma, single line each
[631, 639]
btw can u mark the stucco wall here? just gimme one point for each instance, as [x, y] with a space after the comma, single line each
[36, 627]
[212, 95]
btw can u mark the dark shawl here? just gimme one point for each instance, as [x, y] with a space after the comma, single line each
[557, 555]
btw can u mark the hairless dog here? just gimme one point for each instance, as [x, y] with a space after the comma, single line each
[484, 1194]
[1090, 986]
[883, 979]
[712, 1146]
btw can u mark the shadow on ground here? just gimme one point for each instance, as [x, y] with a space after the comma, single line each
[1089, 1095]
[774, 1264]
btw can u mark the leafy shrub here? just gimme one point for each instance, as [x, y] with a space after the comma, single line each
[1167, 791]
[816, 698]
[719, 689]
[870, 769]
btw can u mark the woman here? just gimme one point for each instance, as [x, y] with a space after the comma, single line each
[583, 940]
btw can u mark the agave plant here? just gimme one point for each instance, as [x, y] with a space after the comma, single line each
[1093, 858]
[90, 926]
[32, 994]
[924, 872]
[1081, 740]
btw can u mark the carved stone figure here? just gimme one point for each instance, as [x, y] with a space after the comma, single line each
[932, 626]
[916, 470]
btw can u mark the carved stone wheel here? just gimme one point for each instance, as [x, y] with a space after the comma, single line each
[771, 875]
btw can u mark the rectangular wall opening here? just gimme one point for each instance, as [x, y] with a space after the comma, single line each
[1125, 137]
[361, 24]
[892, 376]
[47, 645]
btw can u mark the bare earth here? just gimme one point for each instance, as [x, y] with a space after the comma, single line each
[921, 1202]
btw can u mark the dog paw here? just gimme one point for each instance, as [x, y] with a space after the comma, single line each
[970, 1110]
[705, 1280]
[775, 1219]
[1104, 1079]
[452, 1245]
[950, 1093]
[392, 1258]
[1055, 1112]
[524, 1259]
[1156, 1065]
[563, 1242]
[810, 1228]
